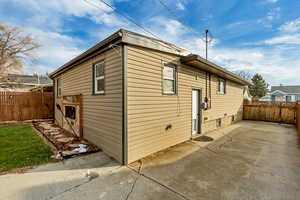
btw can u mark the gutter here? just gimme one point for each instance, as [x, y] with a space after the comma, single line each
[207, 64]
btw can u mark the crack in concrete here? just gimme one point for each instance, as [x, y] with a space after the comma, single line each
[69, 189]
[134, 183]
[132, 188]
[78, 185]
[207, 148]
[155, 181]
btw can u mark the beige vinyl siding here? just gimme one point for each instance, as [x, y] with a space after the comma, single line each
[102, 114]
[150, 111]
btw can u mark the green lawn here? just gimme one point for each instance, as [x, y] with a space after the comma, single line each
[20, 146]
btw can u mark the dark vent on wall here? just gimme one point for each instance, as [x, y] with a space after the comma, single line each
[219, 123]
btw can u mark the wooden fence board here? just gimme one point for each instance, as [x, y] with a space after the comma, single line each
[298, 117]
[19, 106]
[271, 112]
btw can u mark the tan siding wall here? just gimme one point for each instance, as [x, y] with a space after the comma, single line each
[102, 114]
[149, 111]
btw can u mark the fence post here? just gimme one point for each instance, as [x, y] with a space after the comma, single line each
[280, 112]
[298, 116]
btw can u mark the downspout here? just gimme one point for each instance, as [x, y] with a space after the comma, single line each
[206, 91]
[209, 78]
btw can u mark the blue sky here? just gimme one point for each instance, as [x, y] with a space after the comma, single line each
[260, 36]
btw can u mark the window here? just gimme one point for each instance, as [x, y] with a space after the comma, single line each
[58, 87]
[222, 86]
[99, 78]
[169, 79]
[70, 112]
[218, 123]
[288, 98]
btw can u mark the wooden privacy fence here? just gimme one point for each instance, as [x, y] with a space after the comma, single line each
[19, 106]
[283, 112]
[298, 116]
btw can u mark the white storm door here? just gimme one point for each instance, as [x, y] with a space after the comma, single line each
[195, 111]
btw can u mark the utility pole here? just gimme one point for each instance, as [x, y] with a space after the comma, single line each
[206, 42]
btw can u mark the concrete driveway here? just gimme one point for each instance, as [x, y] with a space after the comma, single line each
[248, 160]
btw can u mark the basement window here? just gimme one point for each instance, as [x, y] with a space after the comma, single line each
[221, 86]
[99, 78]
[169, 78]
[219, 123]
[70, 112]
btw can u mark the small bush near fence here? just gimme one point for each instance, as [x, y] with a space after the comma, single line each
[19, 106]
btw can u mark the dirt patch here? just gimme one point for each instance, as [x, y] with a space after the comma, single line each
[64, 143]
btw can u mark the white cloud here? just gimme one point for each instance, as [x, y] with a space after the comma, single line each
[273, 64]
[55, 50]
[292, 26]
[180, 6]
[272, 1]
[45, 22]
[278, 64]
[272, 14]
[167, 29]
[284, 39]
[53, 12]
[47, 27]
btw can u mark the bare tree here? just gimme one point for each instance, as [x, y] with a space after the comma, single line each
[244, 74]
[15, 48]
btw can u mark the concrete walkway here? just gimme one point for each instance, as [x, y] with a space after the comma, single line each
[248, 160]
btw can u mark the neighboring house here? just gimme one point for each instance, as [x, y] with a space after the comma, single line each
[267, 97]
[23, 83]
[285, 93]
[140, 95]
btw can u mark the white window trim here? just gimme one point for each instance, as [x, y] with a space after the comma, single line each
[219, 88]
[171, 65]
[58, 87]
[98, 78]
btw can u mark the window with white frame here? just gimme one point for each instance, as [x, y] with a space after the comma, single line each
[169, 78]
[221, 86]
[99, 78]
[58, 87]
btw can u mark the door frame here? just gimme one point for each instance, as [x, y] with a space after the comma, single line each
[200, 111]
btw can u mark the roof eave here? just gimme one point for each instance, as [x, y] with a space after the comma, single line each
[196, 61]
[114, 36]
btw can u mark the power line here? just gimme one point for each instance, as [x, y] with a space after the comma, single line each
[123, 15]
[207, 32]
[132, 21]
[179, 20]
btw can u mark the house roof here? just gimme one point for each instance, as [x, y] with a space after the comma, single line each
[199, 62]
[128, 37]
[289, 89]
[27, 79]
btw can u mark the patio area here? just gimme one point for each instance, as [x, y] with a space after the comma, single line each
[248, 160]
